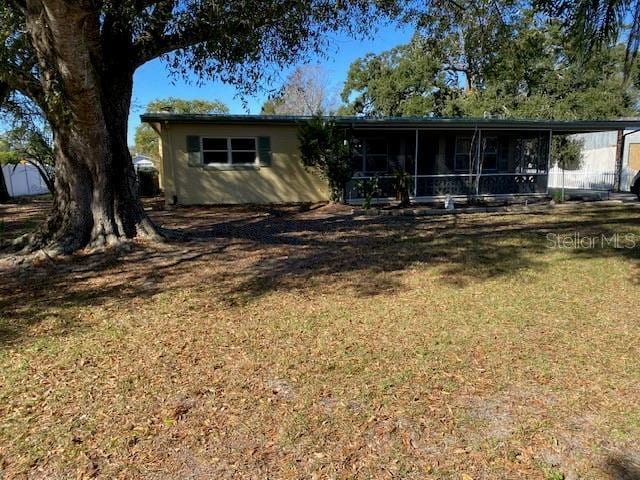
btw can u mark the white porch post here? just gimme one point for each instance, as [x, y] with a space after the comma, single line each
[415, 168]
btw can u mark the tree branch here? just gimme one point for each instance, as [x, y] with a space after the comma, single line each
[161, 16]
[4, 92]
[456, 5]
[142, 5]
[25, 83]
[20, 5]
[150, 48]
[148, 45]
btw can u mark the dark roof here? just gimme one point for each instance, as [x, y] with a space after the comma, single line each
[563, 126]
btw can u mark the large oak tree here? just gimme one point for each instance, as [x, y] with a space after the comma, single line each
[532, 70]
[76, 59]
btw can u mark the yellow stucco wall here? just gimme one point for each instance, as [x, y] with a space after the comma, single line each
[285, 181]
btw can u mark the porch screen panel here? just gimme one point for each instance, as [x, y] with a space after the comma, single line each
[370, 155]
[376, 155]
[532, 154]
[490, 149]
[521, 164]
[428, 151]
[463, 154]
[503, 153]
[357, 160]
[449, 153]
[401, 153]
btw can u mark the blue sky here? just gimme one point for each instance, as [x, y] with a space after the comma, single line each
[152, 80]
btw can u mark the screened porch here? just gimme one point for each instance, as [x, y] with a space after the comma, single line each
[469, 163]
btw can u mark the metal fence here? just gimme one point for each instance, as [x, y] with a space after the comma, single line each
[581, 180]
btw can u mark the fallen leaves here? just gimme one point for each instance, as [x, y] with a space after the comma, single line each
[321, 347]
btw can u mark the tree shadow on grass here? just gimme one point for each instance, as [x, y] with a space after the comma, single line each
[21, 216]
[623, 467]
[240, 254]
[54, 292]
[381, 249]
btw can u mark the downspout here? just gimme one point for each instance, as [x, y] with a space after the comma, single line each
[352, 133]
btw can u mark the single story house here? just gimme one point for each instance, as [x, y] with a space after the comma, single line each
[232, 159]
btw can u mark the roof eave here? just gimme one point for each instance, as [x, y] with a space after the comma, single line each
[402, 123]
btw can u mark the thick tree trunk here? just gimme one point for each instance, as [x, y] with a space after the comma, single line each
[95, 202]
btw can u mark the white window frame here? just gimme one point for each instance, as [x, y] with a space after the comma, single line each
[496, 153]
[455, 154]
[230, 151]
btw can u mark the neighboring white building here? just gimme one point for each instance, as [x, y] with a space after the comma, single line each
[597, 171]
[23, 180]
[142, 162]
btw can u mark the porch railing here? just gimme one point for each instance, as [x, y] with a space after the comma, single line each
[456, 185]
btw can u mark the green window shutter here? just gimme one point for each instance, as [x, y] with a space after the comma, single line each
[194, 154]
[264, 151]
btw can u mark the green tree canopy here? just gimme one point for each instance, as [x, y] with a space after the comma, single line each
[523, 67]
[181, 105]
[146, 140]
[326, 148]
[467, 36]
[405, 80]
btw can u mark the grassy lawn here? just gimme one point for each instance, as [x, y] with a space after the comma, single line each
[289, 344]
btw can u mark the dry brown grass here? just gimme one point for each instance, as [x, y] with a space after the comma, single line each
[308, 344]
